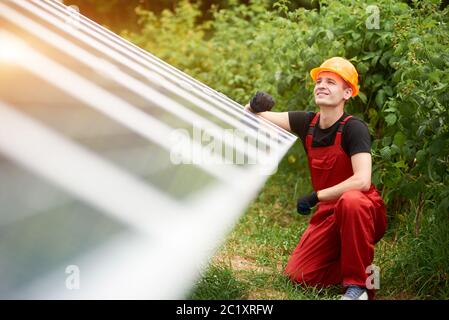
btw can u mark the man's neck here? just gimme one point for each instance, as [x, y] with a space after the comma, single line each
[330, 115]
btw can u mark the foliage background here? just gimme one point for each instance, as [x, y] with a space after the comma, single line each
[240, 47]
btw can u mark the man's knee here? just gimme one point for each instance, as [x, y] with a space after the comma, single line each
[354, 207]
[351, 196]
[351, 199]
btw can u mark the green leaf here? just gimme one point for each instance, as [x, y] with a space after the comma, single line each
[362, 97]
[395, 149]
[388, 90]
[421, 130]
[355, 35]
[380, 98]
[400, 165]
[399, 139]
[421, 156]
[390, 119]
[386, 141]
[372, 113]
[385, 153]
[363, 67]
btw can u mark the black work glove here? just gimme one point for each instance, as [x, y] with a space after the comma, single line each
[305, 203]
[261, 102]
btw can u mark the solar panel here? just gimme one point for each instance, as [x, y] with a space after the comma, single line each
[120, 174]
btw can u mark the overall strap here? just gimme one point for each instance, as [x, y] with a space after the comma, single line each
[309, 136]
[337, 141]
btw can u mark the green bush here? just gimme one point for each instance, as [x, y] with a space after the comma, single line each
[403, 95]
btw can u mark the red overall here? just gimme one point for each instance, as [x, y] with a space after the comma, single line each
[338, 244]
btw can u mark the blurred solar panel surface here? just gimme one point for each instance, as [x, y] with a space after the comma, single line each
[88, 127]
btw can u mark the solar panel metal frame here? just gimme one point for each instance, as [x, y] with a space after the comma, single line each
[162, 232]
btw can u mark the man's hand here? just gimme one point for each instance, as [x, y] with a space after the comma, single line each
[280, 119]
[307, 202]
[261, 102]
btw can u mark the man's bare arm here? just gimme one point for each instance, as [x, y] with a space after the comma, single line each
[278, 118]
[361, 180]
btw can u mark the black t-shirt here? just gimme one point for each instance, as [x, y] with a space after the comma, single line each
[355, 136]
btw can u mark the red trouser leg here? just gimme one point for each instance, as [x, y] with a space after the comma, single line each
[316, 259]
[355, 214]
[338, 245]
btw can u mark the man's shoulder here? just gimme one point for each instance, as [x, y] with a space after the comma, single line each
[303, 112]
[356, 129]
[356, 122]
[356, 136]
[302, 117]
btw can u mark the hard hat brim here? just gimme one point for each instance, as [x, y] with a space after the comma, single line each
[315, 71]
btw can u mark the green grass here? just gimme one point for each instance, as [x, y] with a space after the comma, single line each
[250, 264]
[219, 283]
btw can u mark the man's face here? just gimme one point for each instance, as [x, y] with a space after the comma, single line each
[331, 90]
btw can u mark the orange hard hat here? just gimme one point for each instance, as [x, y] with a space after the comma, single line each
[343, 68]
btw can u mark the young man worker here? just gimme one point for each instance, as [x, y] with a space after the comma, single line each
[338, 245]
